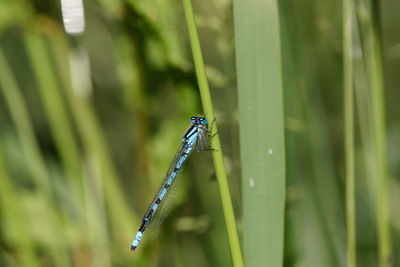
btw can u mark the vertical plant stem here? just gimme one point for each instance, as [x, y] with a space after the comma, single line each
[258, 59]
[215, 142]
[348, 86]
[379, 128]
[369, 20]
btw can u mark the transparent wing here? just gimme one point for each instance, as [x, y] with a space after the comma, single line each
[166, 204]
[178, 155]
[164, 181]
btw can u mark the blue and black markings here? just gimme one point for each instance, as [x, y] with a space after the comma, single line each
[188, 141]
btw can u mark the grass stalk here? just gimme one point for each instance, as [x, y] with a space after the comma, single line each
[379, 129]
[368, 18]
[258, 60]
[215, 142]
[348, 86]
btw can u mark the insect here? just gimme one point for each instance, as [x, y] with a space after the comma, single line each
[197, 136]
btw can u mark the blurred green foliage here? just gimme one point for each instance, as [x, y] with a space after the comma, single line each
[89, 125]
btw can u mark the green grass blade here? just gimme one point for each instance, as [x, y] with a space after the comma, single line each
[258, 55]
[348, 86]
[215, 142]
[378, 118]
[368, 18]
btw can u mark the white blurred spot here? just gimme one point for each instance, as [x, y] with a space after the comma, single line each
[73, 17]
[251, 181]
[270, 151]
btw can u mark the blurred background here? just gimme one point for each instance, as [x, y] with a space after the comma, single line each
[89, 125]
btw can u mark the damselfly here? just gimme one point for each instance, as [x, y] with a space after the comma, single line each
[197, 135]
